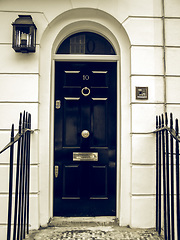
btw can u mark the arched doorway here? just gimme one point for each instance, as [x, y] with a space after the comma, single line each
[64, 25]
[85, 130]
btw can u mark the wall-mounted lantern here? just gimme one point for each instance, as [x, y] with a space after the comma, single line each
[24, 34]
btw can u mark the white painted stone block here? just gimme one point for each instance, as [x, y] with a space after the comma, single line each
[144, 31]
[4, 208]
[18, 87]
[34, 217]
[144, 117]
[4, 178]
[91, 4]
[12, 62]
[34, 157]
[3, 231]
[34, 176]
[143, 180]
[34, 211]
[144, 8]
[172, 89]
[147, 60]
[172, 61]
[172, 27]
[10, 114]
[143, 148]
[172, 8]
[126, 8]
[143, 212]
[6, 28]
[118, 8]
[155, 88]
[4, 140]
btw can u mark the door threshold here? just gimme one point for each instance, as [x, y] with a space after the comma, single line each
[83, 221]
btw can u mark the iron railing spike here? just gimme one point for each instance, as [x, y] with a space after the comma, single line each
[162, 117]
[159, 121]
[166, 118]
[171, 120]
[20, 123]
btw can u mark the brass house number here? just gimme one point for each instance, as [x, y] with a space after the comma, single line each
[85, 77]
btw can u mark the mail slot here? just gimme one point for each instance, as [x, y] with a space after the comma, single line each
[85, 156]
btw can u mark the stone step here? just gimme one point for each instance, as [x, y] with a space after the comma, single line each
[88, 228]
[83, 221]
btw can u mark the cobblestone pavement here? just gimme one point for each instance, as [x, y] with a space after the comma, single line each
[89, 231]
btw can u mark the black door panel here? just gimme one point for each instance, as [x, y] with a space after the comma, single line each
[85, 139]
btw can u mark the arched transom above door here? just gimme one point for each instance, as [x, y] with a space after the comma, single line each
[86, 43]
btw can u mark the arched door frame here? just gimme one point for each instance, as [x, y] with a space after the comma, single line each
[60, 29]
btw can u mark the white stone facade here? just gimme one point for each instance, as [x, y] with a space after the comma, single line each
[146, 37]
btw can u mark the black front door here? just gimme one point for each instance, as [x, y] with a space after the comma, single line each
[85, 139]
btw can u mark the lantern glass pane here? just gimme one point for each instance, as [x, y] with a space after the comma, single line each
[32, 36]
[24, 34]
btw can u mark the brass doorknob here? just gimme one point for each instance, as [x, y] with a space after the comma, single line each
[85, 133]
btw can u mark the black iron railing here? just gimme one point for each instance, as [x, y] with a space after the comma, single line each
[167, 177]
[21, 202]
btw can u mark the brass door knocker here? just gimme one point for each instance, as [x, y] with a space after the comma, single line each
[85, 91]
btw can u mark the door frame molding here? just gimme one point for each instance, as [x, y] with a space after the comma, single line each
[66, 24]
[92, 58]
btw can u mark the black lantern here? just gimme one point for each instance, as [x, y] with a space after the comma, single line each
[24, 34]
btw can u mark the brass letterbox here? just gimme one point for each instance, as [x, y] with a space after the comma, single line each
[85, 156]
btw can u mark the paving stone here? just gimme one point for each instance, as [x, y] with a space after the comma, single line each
[86, 234]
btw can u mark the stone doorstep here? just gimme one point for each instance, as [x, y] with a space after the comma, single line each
[88, 228]
[83, 221]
